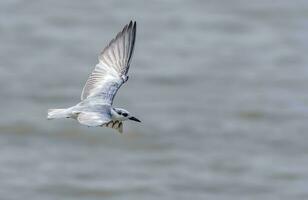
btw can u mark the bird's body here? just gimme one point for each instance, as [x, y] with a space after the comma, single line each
[95, 108]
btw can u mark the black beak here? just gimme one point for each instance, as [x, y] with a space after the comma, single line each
[134, 119]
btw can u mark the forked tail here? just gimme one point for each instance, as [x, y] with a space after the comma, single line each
[57, 113]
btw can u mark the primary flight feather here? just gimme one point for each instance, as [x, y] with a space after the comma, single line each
[95, 108]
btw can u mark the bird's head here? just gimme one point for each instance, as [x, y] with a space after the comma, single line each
[122, 114]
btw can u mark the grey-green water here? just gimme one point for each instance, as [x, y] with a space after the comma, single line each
[221, 88]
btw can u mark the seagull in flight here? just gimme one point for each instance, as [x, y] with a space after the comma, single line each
[95, 108]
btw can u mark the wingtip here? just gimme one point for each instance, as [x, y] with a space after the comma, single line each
[135, 26]
[128, 27]
[132, 23]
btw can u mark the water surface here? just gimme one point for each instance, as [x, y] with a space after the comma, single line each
[221, 88]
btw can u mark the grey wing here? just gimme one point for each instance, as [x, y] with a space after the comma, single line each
[93, 118]
[111, 71]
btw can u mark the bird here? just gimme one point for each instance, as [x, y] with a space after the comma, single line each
[96, 106]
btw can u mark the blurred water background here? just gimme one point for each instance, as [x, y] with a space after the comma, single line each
[221, 88]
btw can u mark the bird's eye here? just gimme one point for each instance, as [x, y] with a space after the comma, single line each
[125, 114]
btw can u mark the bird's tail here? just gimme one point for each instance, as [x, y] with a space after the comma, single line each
[57, 113]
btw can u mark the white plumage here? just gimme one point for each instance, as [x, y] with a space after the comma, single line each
[95, 108]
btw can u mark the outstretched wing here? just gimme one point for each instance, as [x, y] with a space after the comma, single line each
[111, 71]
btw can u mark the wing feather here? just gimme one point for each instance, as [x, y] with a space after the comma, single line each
[111, 71]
